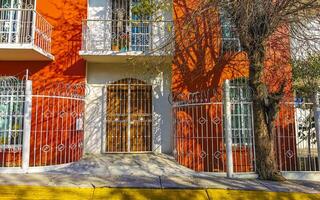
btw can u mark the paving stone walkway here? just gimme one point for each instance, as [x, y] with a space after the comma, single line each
[145, 171]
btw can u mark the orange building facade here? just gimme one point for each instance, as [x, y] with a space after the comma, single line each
[99, 86]
[207, 54]
[42, 40]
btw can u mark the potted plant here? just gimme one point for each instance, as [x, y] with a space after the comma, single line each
[115, 45]
[124, 42]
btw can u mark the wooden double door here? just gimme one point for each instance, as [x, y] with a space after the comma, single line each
[129, 117]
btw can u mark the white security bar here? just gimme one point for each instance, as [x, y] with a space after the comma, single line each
[25, 26]
[100, 36]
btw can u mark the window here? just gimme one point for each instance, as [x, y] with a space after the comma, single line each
[241, 112]
[14, 17]
[230, 39]
[129, 31]
[140, 31]
[11, 112]
[120, 25]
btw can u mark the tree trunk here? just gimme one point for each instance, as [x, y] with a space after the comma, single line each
[264, 114]
[264, 144]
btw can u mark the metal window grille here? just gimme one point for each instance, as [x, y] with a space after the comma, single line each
[242, 126]
[125, 30]
[129, 32]
[12, 95]
[21, 24]
[230, 38]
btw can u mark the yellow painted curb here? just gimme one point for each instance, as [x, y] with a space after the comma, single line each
[259, 195]
[146, 194]
[40, 192]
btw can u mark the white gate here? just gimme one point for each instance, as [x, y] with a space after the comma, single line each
[213, 130]
[129, 116]
[41, 124]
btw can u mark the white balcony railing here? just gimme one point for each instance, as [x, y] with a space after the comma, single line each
[19, 27]
[104, 37]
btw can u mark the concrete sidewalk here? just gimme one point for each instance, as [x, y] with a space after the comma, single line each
[145, 171]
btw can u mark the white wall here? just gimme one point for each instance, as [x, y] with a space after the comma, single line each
[99, 9]
[99, 34]
[99, 31]
[307, 40]
[97, 77]
[162, 29]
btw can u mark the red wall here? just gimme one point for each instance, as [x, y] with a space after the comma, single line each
[199, 63]
[199, 66]
[65, 16]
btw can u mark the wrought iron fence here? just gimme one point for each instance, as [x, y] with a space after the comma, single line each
[25, 26]
[100, 36]
[296, 138]
[12, 96]
[203, 121]
[199, 131]
[57, 130]
[40, 126]
[198, 136]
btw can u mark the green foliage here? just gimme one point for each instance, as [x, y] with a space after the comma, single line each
[149, 8]
[306, 75]
[143, 8]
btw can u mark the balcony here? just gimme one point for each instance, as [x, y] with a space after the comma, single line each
[117, 41]
[24, 35]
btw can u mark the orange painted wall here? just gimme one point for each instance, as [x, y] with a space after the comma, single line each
[66, 18]
[199, 66]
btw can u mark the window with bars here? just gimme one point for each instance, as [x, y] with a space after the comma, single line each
[26, 4]
[11, 112]
[230, 39]
[129, 31]
[241, 112]
[16, 18]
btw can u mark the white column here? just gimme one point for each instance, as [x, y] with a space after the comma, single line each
[34, 26]
[27, 126]
[227, 128]
[316, 110]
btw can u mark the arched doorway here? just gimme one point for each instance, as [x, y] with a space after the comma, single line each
[129, 116]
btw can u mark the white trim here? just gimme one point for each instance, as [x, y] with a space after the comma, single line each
[19, 170]
[228, 128]
[303, 175]
[47, 168]
[113, 53]
[244, 175]
[27, 125]
[26, 46]
[16, 46]
[11, 170]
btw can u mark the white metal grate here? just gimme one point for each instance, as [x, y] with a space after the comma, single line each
[57, 124]
[20, 23]
[12, 96]
[296, 138]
